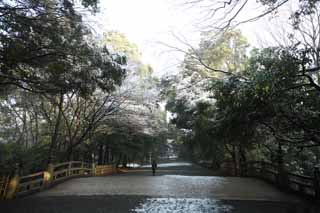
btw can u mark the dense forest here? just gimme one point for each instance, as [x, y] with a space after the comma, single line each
[67, 94]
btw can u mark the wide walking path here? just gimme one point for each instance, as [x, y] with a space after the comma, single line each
[177, 187]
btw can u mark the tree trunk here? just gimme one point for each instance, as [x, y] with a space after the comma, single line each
[69, 154]
[25, 129]
[243, 161]
[235, 159]
[106, 155]
[111, 156]
[100, 155]
[54, 138]
[37, 127]
[282, 174]
[124, 161]
[118, 160]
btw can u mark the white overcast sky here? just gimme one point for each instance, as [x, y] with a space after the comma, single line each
[150, 22]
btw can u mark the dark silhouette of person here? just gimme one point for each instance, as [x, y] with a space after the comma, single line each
[154, 167]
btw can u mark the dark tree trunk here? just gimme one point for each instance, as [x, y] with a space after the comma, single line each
[54, 138]
[111, 156]
[235, 160]
[125, 161]
[243, 161]
[106, 155]
[119, 160]
[37, 127]
[100, 155]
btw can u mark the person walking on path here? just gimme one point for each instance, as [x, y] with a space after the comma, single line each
[154, 166]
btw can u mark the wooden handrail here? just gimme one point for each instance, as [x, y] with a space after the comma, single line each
[58, 172]
[31, 175]
[301, 184]
[37, 181]
[301, 176]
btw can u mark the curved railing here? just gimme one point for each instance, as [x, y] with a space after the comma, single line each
[30, 183]
[70, 169]
[301, 184]
[19, 186]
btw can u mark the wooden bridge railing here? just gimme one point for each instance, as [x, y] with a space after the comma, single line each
[303, 185]
[105, 170]
[19, 186]
[69, 169]
[4, 181]
[30, 183]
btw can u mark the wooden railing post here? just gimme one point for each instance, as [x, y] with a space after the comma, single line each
[262, 170]
[82, 168]
[316, 182]
[93, 165]
[48, 175]
[13, 183]
[282, 177]
[244, 169]
[69, 169]
[93, 168]
[252, 169]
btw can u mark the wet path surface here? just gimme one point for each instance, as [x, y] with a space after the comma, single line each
[175, 188]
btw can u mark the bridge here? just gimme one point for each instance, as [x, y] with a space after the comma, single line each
[177, 187]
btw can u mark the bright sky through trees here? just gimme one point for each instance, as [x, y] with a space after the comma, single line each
[149, 23]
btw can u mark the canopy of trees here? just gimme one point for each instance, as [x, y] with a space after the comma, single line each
[65, 95]
[232, 104]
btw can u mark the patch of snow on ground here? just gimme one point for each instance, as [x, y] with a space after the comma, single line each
[182, 205]
[162, 165]
[133, 165]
